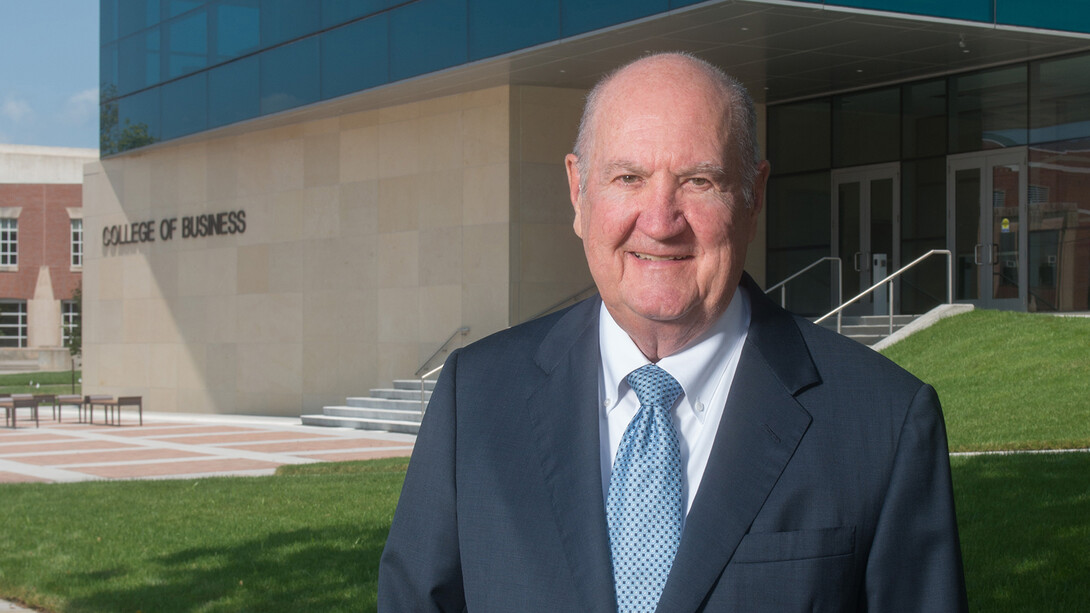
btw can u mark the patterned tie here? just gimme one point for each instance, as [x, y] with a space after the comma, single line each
[643, 507]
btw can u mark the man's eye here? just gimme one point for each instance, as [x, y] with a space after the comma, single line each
[700, 182]
[628, 179]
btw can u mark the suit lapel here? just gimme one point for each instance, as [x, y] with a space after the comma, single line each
[761, 427]
[564, 418]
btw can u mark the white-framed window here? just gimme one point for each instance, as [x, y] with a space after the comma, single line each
[9, 242]
[12, 323]
[69, 319]
[77, 243]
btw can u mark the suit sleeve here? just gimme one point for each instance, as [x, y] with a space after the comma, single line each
[915, 559]
[420, 569]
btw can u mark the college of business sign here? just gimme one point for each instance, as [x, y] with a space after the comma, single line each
[191, 226]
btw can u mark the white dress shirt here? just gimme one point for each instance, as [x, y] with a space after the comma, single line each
[705, 370]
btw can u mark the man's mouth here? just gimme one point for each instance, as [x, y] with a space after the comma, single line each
[658, 258]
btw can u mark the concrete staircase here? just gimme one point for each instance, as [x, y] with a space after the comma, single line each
[868, 329]
[394, 409]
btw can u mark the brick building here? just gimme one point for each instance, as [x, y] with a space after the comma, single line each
[41, 251]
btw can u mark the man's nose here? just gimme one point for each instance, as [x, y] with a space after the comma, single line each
[661, 215]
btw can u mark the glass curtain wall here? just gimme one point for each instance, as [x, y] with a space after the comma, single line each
[1059, 185]
[1043, 104]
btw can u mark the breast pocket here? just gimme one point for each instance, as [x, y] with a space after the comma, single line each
[796, 545]
[782, 572]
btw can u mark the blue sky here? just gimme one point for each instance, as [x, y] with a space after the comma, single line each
[49, 72]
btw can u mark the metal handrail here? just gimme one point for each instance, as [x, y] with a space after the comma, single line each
[890, 278]
[423, 378]
[782, 285]
[572, 298]
[464, 330]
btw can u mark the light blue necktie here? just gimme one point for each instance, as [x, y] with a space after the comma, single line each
[643, 507]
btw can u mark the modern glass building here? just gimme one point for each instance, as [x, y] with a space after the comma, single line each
[300, 200]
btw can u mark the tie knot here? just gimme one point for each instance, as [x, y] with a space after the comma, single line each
[654, 386]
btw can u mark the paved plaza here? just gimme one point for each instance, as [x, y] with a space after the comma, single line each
[175, 446]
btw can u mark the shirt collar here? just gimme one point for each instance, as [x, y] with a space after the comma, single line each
[697, 367]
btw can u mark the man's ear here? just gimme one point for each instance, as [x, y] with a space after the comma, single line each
[759, 189]
[571, 164]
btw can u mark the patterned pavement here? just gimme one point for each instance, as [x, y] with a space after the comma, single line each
[175, 446]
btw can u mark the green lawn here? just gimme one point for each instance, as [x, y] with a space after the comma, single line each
[1024, 522]
[1006, 380]
[40, 383]
[295, 542]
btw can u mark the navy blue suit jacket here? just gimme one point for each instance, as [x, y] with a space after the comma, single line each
[828, 486]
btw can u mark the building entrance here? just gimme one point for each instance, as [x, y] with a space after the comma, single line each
[866, 204]
[986, 204]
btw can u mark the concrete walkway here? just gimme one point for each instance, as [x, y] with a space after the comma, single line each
[176, 446]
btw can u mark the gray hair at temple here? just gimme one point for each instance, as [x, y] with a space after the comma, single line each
[742, 124]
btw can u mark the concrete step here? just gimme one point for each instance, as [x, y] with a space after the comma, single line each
[869, 330]
[399, 394]
[867, 339]
[372, 413]
[413, 384]
[386, 425]
[383, 403]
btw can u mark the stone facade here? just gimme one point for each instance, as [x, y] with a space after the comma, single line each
[369, 238]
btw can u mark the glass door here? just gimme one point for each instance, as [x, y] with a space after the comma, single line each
[866, 223]
[986, 203]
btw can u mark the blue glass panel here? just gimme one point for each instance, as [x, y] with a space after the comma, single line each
[426, 36]
[578, 16]
[187, 43]
[972, 10]
[786, 122]
[988, 109]
[177, 7]
[107, 21]
[238, 28]
[107, 68]
[138, 66]
[336, 12]
[1050, 14]
[138, 122]
[290, 76]
[354, 57]
[233, 92]
[134, 15]
[283, 20]
[185, 106]
[1059, 102]
[499, 26]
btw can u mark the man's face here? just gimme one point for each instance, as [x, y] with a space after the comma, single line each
[663, 221]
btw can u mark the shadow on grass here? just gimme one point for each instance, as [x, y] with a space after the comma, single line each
[331, 569]
[1024, 531]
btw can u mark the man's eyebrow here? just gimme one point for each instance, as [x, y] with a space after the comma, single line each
[623, 165]
[709, 168]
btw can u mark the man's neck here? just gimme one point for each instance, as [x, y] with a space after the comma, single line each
[659, 339]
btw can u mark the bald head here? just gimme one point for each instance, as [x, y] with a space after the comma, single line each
[690, 78]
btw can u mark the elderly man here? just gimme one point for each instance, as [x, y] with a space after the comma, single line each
[680, 444]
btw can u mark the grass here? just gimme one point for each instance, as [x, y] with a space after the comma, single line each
[1025, 531]
[39, 383]
[1006, 380]
[308, 539]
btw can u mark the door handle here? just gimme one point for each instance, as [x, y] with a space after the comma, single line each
[976, 255]
[995, 253]
[856, 259]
